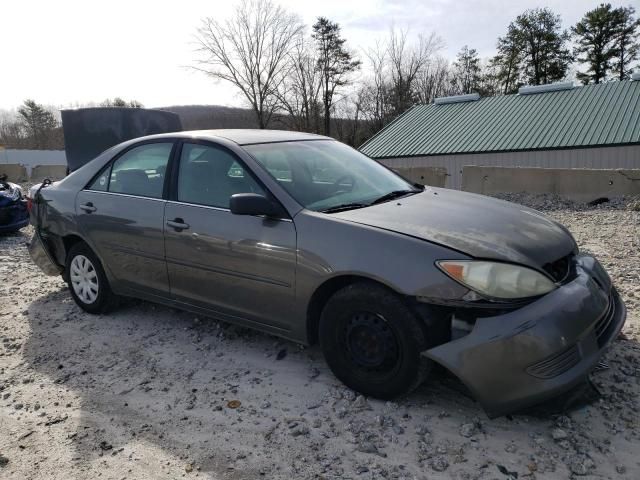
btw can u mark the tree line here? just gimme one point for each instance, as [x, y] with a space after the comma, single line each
[297, 78]
[325, 87]
[37, 127]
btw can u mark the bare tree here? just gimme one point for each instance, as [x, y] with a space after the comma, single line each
[400, 73]
[349, 118]
[374, 93]
[250, 50]
[434, 81]
[12, 134]
[119, 102]
[406, 62]
[300, 92]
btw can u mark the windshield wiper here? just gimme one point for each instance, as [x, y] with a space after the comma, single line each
[392, 195]
[344, 206]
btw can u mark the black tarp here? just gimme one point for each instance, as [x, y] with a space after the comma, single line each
[90, 131]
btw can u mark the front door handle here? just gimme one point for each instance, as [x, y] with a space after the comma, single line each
[88, 207]
[178, 224]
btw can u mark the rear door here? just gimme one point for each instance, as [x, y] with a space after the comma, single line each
[238, 265]
[122, 215]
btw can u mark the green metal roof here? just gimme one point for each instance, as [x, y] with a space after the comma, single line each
[593, 115]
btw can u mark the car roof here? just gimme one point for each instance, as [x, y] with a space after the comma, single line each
[247, 136]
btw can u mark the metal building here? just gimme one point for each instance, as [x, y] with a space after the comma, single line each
[552, 126]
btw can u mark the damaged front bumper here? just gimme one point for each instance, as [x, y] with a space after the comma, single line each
[520, 358]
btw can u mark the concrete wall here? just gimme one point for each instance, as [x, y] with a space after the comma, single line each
[15, 173]
[20, 173]
[31, 158]
[433, 176]
[627, 157]
[577, 184]
[52, 172]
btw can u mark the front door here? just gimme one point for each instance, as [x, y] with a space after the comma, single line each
[238, 265]
[122, 216]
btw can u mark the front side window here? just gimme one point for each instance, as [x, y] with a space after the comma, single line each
[324, 174]
[210, 175]
[141, 170]
[101, 182]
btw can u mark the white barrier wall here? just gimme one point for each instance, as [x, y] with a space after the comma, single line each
[626, 156]
[31, 158]
[580, 184]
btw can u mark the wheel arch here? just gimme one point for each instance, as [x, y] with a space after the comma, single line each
[60, 245]
[324, 292]
[69, 241]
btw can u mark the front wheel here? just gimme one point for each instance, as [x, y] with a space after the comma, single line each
[87, 281]
[372, 341]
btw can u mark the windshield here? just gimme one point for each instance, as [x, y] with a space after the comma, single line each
[323, 174]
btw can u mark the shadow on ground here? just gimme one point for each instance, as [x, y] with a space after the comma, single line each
[151, 374]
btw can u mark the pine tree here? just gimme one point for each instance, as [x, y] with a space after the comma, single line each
[627, 48]
[38, 123]
[467, 71]
[596, 35]
[507, 61]
[535, 47]
[335, 63]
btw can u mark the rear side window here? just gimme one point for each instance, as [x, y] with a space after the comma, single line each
[140, 171]
[209, 176]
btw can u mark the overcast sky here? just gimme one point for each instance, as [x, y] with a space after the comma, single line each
[66, 52]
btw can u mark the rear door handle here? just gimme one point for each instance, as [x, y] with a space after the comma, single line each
[178, 224]
[88, 207]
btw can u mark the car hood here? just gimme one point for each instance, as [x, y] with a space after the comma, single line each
[479, 226]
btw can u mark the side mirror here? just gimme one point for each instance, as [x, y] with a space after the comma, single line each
[254, 204]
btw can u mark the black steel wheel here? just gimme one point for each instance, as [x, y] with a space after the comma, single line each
[372, 341]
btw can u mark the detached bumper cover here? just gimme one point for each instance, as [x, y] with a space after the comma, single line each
[39, 253]
[13, 216]
[541, 350]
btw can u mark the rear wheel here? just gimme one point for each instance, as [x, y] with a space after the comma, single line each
[87, 281]
[372, 341]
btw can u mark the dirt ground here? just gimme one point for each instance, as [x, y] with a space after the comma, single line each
[144, 393]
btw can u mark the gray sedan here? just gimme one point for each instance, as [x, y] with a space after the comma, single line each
[303, 237]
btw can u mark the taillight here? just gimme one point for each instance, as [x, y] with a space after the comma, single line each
[29, 204]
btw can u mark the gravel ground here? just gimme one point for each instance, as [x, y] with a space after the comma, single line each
[152, 392]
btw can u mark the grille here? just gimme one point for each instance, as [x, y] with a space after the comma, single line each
[604, 326]
[556, 364]
[559, 269]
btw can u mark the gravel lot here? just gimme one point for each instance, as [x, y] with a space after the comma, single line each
[149, 392]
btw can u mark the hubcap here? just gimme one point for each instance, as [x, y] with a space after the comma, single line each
[84, 279]
[371, 343]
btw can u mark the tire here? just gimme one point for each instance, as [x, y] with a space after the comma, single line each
[87, 281]
[372, 341]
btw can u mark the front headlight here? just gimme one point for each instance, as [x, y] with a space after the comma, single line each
[497, 280]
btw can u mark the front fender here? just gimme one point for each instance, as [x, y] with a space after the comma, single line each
[329, 247]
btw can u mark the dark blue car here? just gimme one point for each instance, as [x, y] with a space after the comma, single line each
[13, 207]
